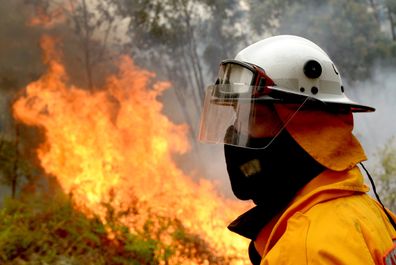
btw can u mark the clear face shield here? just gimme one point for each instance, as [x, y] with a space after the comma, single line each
[239, 109]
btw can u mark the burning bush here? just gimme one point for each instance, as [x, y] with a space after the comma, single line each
[44, 229]
[111, 150]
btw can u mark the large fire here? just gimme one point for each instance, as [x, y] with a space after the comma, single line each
[115, 145]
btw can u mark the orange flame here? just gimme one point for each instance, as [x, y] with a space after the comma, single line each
[117, 141]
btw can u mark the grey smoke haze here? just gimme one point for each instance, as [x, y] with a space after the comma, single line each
[373, 129]
[376, 129]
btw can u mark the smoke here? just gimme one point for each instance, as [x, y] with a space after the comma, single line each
[348, 31]
[203, 160]
[335, 28]
[375, 130]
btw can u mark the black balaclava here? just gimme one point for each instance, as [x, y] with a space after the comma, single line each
[270, 177]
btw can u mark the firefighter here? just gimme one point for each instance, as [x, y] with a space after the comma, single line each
[286, 124]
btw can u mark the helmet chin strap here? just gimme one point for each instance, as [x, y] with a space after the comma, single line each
[377, 196]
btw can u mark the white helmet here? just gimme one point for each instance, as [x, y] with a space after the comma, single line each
[283, 69]
[299, 66]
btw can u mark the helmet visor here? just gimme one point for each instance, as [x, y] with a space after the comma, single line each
[232, 115]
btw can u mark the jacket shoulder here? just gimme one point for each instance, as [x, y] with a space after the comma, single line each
[348, 230]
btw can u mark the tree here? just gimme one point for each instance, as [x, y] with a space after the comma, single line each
[350, 31]
[20, 64]
[15, 169]
[183, 41]
[89, 33]
[391, 12]
[385, 13]
[20, 58]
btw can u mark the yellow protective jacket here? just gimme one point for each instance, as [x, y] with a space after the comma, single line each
[332, 220]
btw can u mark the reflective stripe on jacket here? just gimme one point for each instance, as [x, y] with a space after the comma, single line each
[331, 221]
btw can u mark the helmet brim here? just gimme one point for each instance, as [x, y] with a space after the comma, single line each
[331, 100]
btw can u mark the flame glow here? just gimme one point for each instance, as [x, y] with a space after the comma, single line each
[115, 144]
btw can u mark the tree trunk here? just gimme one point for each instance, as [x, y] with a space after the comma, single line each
[373, 5]
[14, 179]
[87, 46]
[392, 23]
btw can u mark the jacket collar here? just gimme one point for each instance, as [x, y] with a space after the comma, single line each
[326, 186]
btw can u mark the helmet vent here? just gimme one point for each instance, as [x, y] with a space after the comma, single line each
[342, 89]
[335, 70]
[314, 90]
[302, 89]
[312, 69]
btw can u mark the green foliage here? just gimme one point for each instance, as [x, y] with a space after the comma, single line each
[387, 185]
[43, 229]
[193, 246]
[39, 230]
[184, 245]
